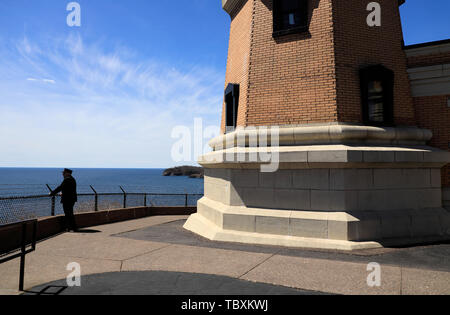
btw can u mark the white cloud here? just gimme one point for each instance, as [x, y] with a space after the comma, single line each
[41, 80]
[96, 108]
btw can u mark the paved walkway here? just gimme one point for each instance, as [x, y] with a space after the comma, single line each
[155, 255]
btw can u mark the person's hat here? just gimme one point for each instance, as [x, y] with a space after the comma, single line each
[66, 170]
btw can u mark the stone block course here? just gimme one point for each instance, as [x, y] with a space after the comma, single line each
[272, 225]
[351, 179]
[311, 179]
[308, 228]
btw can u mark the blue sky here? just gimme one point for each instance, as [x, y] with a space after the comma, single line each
[109, 93]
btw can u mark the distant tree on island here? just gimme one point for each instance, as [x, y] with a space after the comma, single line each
[190, 171]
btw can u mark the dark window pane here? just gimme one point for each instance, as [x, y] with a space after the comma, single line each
[289, 5]
[375, 87]
[231, 106]
[376, 111]
[377, 91]
[375, 101]
[289, 14]
[291, 19]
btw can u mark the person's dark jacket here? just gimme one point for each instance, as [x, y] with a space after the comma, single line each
[68, 189]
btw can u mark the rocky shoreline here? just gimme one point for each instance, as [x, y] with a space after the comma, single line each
[190, 171]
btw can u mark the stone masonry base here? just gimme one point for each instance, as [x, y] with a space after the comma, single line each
[329, 204]
[326, 230]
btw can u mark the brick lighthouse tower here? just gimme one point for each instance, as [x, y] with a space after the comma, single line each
[332, 92]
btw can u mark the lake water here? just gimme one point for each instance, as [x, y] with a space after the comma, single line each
[32, 181]
[21, 182]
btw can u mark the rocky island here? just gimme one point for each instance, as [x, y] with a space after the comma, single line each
[190, 171]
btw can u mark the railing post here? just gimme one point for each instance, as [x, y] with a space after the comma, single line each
[53, 201]
[145, 200]
[53, 205]
[95, 199]
[22, 257]
[124, 197]
[186, 200]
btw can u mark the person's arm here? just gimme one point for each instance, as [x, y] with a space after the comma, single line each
[58, 190]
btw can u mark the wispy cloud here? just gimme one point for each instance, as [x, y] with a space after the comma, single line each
[41, 80]
[69, 102]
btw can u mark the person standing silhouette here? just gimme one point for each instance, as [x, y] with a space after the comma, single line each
[68, 188]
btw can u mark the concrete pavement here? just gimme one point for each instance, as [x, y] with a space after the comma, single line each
[157, 248]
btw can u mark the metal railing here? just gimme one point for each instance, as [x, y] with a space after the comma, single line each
[27, 245]
[21, 208]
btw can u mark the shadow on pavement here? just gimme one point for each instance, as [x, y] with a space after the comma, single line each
[163, 283]
[48, 290]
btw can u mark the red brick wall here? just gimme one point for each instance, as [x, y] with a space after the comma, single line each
[292, 78]
[238, 57]
[314, 77]
[359, 45]
[433, 113]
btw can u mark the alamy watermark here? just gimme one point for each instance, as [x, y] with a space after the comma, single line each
[374, 18]
[243, 145]
[374, 277]
[74, 17]
[73, 279]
